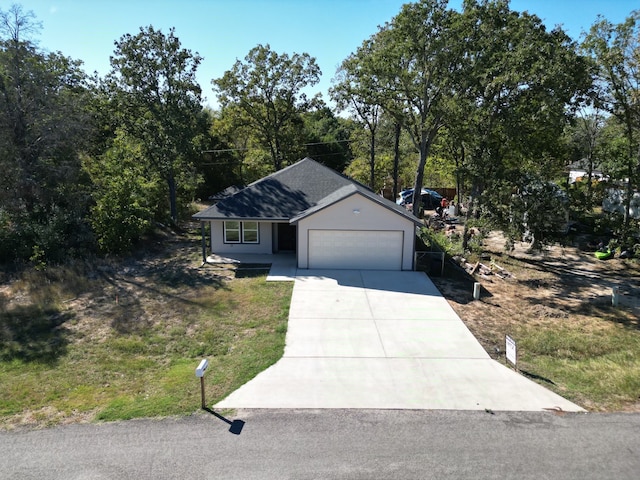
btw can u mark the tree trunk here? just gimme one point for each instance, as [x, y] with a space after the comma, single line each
[274, 156]
[417, 185]
[459, 164]
[426, 140]
[372, 159]
[396, 159]
[173, 203]
[589, 181]
[278, 162]
[630, 172]
[471, 206]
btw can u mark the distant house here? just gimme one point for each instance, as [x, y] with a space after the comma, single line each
[578, 171]
[327, 219]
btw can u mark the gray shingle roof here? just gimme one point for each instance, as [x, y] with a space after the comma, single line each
[293, 192]
[227, 192]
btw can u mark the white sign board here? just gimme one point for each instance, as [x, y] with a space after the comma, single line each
[510, 349]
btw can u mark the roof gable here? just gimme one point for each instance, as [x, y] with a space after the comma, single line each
[348, 191]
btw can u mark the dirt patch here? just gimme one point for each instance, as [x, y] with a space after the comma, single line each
[562, 286]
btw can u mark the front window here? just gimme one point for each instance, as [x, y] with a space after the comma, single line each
[241, 232]
[231, 232]
[249, 232]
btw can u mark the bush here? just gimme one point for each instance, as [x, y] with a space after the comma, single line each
[124, 196]
[538, 212]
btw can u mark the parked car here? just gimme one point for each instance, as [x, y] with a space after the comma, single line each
[430, 198]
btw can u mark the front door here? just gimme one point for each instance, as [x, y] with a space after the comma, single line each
[286, 237]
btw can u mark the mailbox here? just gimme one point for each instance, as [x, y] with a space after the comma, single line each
[201, 368]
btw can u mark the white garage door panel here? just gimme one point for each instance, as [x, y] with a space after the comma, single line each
[356, 249]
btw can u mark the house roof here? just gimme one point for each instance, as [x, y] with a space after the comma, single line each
[227, 192]
[292, 193]
[583, 164]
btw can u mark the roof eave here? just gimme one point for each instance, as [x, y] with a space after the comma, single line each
[240, 219]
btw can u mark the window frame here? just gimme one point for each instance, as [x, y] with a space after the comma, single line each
[250, 230]
[240, 231]
[226, 230]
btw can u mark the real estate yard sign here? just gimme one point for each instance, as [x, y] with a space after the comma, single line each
[510, 349]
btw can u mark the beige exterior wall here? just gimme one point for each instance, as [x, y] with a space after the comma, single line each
[218, 245]
[342, 216]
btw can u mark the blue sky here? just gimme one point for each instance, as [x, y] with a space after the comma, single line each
[225, 30]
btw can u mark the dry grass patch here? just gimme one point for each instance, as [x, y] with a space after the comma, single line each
[122, 340]
[558, 308]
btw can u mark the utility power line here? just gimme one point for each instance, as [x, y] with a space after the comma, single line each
[223, 150]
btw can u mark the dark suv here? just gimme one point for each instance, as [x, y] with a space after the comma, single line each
[430, 198]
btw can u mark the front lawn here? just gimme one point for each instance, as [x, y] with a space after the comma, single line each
[121, 339]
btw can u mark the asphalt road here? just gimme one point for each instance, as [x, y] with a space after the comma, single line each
[333, 444]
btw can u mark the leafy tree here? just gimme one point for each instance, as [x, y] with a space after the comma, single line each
[451, 152]
[540, 210]
[44, 125]
[124, 193]
[616, 52]
[355, 91]
[220, 163]
[585, 143]
[266, 89]
[394, 163]
[240, 155]
[410, 60]
[326, 138]
[158, 103]
[512, 90]
[614, 150]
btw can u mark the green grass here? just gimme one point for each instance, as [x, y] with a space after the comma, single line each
[136, 357]
[593, 363]
[80, 343]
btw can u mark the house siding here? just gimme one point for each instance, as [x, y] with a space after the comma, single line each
[371, 217]
[218, 245]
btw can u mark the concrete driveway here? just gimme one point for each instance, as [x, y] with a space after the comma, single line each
[384, 340]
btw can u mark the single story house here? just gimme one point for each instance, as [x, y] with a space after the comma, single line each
[327, 219]
[578, 171]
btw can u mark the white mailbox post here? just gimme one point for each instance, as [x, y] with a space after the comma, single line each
[200, 374]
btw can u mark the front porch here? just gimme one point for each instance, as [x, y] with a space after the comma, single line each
[283, 265]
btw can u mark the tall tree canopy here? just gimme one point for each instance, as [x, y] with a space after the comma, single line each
[410, 61]
[496, 79]
[158, 102]
[267, 89]
[44, 126]
[615, 50]
[355, 91]
[515, 84]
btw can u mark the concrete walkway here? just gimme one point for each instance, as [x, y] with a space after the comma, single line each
[283, 265]
[384, 340]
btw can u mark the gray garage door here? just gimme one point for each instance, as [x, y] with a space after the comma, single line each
[356, 249]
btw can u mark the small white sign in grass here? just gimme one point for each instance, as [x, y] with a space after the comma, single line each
[510, 349]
